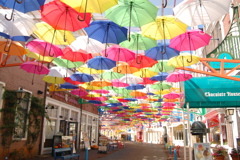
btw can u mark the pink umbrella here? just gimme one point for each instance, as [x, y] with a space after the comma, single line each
[118, 53]
[178, 76]
[102, 91]
[118, 83]
[190, 40]
[168, 104]
[34, 67]
[79, 92]
[171, 95]
[44, 48]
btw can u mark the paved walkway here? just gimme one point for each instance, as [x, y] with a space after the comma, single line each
[131, 151]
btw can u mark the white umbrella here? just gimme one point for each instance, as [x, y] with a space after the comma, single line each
[130, 79]
[87, 44]
[21, 24]
[58, 71]
[197, 12]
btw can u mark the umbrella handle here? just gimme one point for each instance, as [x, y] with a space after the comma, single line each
[9, 19]
[137, 61]
[189, 61]
[19, 1]
[78, 17]
[7, 46]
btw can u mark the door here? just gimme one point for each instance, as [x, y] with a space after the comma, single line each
[72, 131]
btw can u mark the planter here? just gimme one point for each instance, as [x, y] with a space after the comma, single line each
[235, 157]
[219, 157]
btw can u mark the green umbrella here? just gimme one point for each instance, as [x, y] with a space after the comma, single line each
[161, 66]
[132, 13]
[132, 104]
[111, 75]
[161, 85]
[138, 42]
[123, 91]
[111, 101]
[66, 63]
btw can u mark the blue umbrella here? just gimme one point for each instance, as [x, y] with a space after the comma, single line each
[23, 6]
[101, 63]
[106, 32]
[15, 38]
[135, 87]
[94, 102]
[160, 77]
[81, 77]
[131, 99]
[162, 51]
[67, 85]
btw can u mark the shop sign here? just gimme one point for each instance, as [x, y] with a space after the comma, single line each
[212, 92]
[217, 65]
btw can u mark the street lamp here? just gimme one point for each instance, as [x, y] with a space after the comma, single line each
[20, 95]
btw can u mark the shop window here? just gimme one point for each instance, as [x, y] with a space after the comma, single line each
[74, 116]
[64, 113]
[89, 120]
[52, 112]
[21, 117]
[50, 130]
[84, 118]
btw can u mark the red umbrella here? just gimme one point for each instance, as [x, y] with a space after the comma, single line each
[118, 53]
[69, 80]
[117, 83]
[79, 92]
[171, 95]
[142, 61]
[75, 56]
[168, 104]
[62, 17]
[147, 80]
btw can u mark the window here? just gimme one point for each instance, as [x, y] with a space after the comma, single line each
[21, 117]
[64, 113]
[74, 116]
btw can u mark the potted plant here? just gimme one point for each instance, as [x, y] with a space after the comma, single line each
[219, 153]
[235, 154]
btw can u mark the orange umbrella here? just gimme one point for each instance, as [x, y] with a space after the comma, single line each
[125, 69]
[12, 47]
[138, 94]
[170, 100]
[101, 83]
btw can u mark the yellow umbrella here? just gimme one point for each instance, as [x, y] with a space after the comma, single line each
[183, 60]
[161, 92]
[89, 87]
[54, 80]
[145, 73]
[164, 27]
[49, 34]
[39, 57]
[89, 70]
[92, 6]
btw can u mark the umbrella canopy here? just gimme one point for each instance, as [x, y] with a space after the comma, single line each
[39, 57]
[125, 69]
[101, 63]
[160, 77]
[54, 80]
[161, 66]
[111, 75]
[58, 37]
[79, 92]
[34, 67]
[101, 83]
[87, 44]
[84, 69]
[62, 17]
[23, 5]
[146, 80]
[92, 6]
[144, 72]
[22, 25]
[117, 53]
[171, 95]
[118, 83]
[142, 61]
[197, 12]
[138, 42]
[178, 76]
[66, 63]
[12, 47]
[67, 85]
[161, 52]
[191, 40]
[138, 94]
[59, 72]
[81, 77]
[135, 87]
[164, 27]
[75, 56]
[132, 13]
[183, 60]
[106, 32]
[130, 79]
[69, 80]
[15, 38]
[161, 86]
[44, 48]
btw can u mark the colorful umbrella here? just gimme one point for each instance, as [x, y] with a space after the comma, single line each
[161, 52]
[106, 32]
[101, 63]
[161, 66]
[34, 67]
[68, 86]
[69, 80]
[111, 75]
[183, 60]
[132, 13]
[142, 61]
[161, 86]
[87, 44]
[118, 83]
[138, 42]
[79, 92]
[117, 53]
[197, 12]
[15, 38]
[66, 63]
[75, 56]
[54, 80]
[171, 95]
[62, 17]
[81, 77]
[178, 76]
[44, 48]
[125, 69]
[59, 72]
[39, 57]
[137, 94]
[130, 79]
[190, 41]
[47, 33]
[144, 72]
[169, 104]
[164, 27]
[101, 83]
[135, 87]
[12, 47]
[84, 69]
[146, 80]
[160, 77]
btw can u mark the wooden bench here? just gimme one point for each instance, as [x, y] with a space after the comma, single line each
[64, 153]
